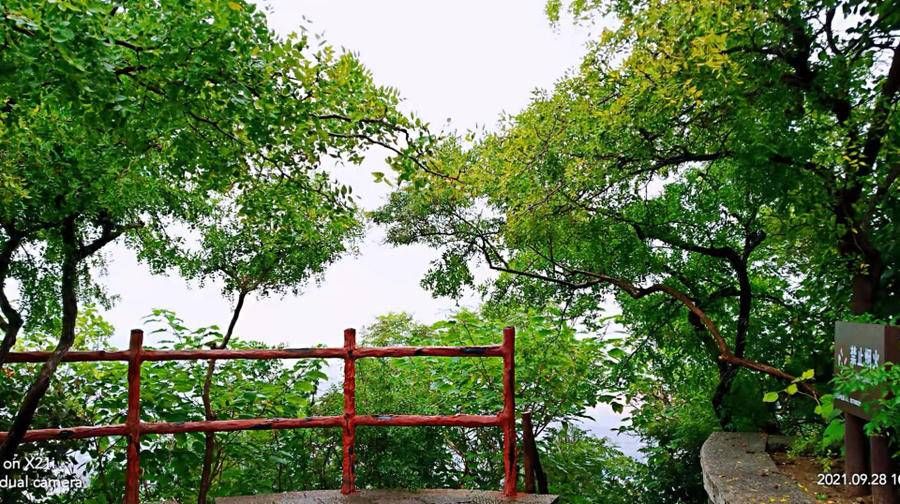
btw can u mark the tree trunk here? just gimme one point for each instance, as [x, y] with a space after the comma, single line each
[727, 373]
[863, 294]
[10, 336]
[210, 445]
[209, 451]
[745, 304]
[39, 387]
[13, 320]
[864, 260]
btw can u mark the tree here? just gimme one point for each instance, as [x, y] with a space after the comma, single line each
[133, 121]
[736, 159]
[587, 469]
[266, 237]
[78, 402]
[242, 462]
[94, 393]
[827, 71]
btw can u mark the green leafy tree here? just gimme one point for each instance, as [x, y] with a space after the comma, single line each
[77, 398]
[810, 87]
[136, 121]
[726, 172]
[245, 462]
[265, 237]
[586, 469]
[686, 159]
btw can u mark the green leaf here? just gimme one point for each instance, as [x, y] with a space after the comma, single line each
[826, 406]
[770, 397]
[617, 353]
[305, 386]
[61, 34]
[834, 432]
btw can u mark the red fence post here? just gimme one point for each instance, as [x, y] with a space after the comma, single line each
[348, 482]
[133, 418]
[508, 415]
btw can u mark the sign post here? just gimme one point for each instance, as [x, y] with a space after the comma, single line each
[860, 346]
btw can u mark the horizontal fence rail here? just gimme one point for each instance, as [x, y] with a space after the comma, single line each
[134, 428]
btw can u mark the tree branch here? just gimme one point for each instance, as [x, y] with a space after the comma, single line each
[69, 300]
[418, 162]
[206, 476]
[637, 292]
[879, 124]
[721, 252]
[12, 320]
[108, 234]
[880, 192]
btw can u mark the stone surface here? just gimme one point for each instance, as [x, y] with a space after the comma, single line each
[738, 470]
[391, 497]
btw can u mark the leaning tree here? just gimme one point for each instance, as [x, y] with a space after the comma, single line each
[264, 237]
[136, 121]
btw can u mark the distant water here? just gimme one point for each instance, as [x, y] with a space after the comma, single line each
[604, 424]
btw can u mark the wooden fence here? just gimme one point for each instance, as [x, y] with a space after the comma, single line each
[134, 428]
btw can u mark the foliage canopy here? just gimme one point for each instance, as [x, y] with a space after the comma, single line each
[725, 171]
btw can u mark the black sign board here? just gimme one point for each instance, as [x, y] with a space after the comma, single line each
[860, 346]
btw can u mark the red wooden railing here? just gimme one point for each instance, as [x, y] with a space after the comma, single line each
[133, 427]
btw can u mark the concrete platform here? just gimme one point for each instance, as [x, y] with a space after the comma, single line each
[737, 469]
[391, 497]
